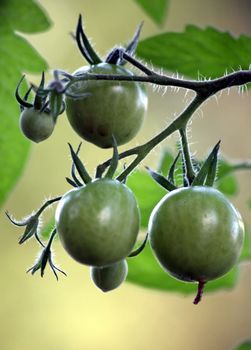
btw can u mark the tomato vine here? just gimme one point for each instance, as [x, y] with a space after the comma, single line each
[98, 220]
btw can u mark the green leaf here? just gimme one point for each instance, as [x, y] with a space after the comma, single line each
[17, 56]
[156, 9]
[246, 250]
[207, 52]
[147, 192]
[146, 272]
[166, 160]
[226, 180]
[45, 231]
[244, 346]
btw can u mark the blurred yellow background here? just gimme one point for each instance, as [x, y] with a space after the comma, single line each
[73, 314]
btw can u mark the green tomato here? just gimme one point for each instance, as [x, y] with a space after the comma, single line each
[36, 126]
[98, 224]
[196, 234]
[109, 277]
[107, 107]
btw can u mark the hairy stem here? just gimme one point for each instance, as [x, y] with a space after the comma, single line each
[209, 87]
[177, 124]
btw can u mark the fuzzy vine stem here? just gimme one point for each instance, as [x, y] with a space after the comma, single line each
[208, 87]
[143, 150]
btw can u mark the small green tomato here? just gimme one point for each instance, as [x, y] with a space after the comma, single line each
[109, 277]
[36, 126]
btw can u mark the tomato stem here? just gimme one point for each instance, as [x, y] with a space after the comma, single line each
[200, 290]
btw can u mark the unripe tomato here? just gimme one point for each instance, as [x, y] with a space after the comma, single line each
[98, 224]
[107, 107]
[35, 125]
[109, 277]
[196, 233]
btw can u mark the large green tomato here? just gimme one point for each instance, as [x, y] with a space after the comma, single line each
[107, 107]
[98, 224]
[196, 233]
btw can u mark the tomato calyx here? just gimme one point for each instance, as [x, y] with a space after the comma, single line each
[48, 100]
[78, 165]
[46, 258]
[115, 56]
[205, 174]
[32, 222]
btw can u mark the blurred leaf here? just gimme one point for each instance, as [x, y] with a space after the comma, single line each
[226, 180]
[147, 192]
[244, 346]
[46, 230]
[249, 203]
[207, 52]
[156, 9]
[17, 56]
[166, 160]
[246, 250]
[146, 272]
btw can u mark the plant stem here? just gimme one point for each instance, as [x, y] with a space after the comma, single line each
[208, 88]
[177, 124]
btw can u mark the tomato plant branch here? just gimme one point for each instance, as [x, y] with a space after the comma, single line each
[179, 123]
[246, 165]
[208, 87]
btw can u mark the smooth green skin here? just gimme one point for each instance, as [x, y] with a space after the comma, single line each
[36, 126]
[196, 234]
[111, 108]
[98, 224]
[109, 277]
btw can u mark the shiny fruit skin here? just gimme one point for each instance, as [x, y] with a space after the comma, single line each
[110, 277]
[110, 107]
[196, 234]
[36, 126]
[98, 224]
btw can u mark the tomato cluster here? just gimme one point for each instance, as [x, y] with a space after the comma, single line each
[195, 233]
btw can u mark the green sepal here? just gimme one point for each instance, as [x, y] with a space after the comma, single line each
[132, 46]
[170, 176]
[31, 228]
[139, 249]
[80, 166]
[22, 102]
[208, 169]
[115, 56]
[55, 103]
[84, 45]
[40, 98]
[161, 180]
[31, 222]
[211, 176]
[71, 182]
[44, 258]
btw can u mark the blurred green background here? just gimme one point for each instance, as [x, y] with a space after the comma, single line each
[73, 314]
